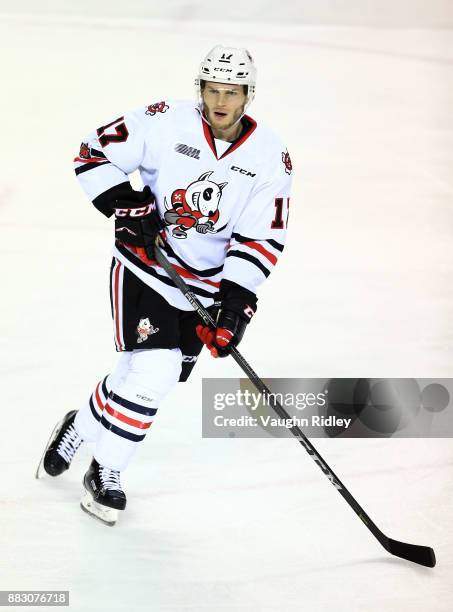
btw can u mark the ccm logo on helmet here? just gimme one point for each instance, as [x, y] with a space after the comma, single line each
[135, 212]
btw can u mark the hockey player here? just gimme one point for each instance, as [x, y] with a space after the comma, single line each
[216, 191]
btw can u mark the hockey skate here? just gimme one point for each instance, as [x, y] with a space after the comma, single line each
[103, 494]
[179, 233]
[61, 447]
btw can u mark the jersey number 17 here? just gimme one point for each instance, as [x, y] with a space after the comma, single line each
[278, 221]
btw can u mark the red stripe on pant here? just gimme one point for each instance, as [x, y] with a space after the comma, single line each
[98, 398]
[116, 290]
[126, 419]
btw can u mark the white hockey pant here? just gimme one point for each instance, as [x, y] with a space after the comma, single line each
[122, 407]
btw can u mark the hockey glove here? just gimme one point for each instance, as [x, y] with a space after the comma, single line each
[137, 221]
[235, 307]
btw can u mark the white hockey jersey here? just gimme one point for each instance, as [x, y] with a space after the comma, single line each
[226, 210]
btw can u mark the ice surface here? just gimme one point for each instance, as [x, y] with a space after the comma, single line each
[364, 289]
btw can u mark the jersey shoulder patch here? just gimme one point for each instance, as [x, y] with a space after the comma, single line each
[165, 108]
[274, 152]
[156, 107]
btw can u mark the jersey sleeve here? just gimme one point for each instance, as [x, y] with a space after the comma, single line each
[259, 234]
[109, 154]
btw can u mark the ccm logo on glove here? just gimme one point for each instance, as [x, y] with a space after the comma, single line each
[137, 220]
[135, 212]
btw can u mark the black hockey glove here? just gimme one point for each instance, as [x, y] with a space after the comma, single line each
[137, 221]
[233, 309]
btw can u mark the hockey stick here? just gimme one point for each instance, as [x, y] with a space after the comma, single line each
[424, 555]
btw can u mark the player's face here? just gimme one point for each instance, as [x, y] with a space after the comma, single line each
[223, 104]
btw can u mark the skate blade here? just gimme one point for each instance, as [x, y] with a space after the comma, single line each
[106, 515]
[40, 471]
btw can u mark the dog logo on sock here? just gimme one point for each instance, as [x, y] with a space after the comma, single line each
[145, 329]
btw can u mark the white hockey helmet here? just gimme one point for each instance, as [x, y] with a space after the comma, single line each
[228, 65]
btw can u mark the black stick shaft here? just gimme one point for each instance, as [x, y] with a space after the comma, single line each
[419, 554]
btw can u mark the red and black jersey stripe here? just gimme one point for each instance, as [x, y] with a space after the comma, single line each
[96, 158]
[89, 166]
[203, 273]
[251, 259]
[151, 269]
[251, 246]
[273, 243]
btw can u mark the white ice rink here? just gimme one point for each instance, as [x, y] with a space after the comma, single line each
[364, 289]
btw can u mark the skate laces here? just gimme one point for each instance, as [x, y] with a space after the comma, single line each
[110, 478]
[69, 443]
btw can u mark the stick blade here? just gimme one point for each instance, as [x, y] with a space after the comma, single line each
[423, 555]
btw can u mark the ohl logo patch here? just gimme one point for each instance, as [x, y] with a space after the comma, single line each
[157, 107]
[197, 207]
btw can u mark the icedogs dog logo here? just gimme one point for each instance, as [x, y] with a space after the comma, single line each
[145, 329]
[195, 207]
